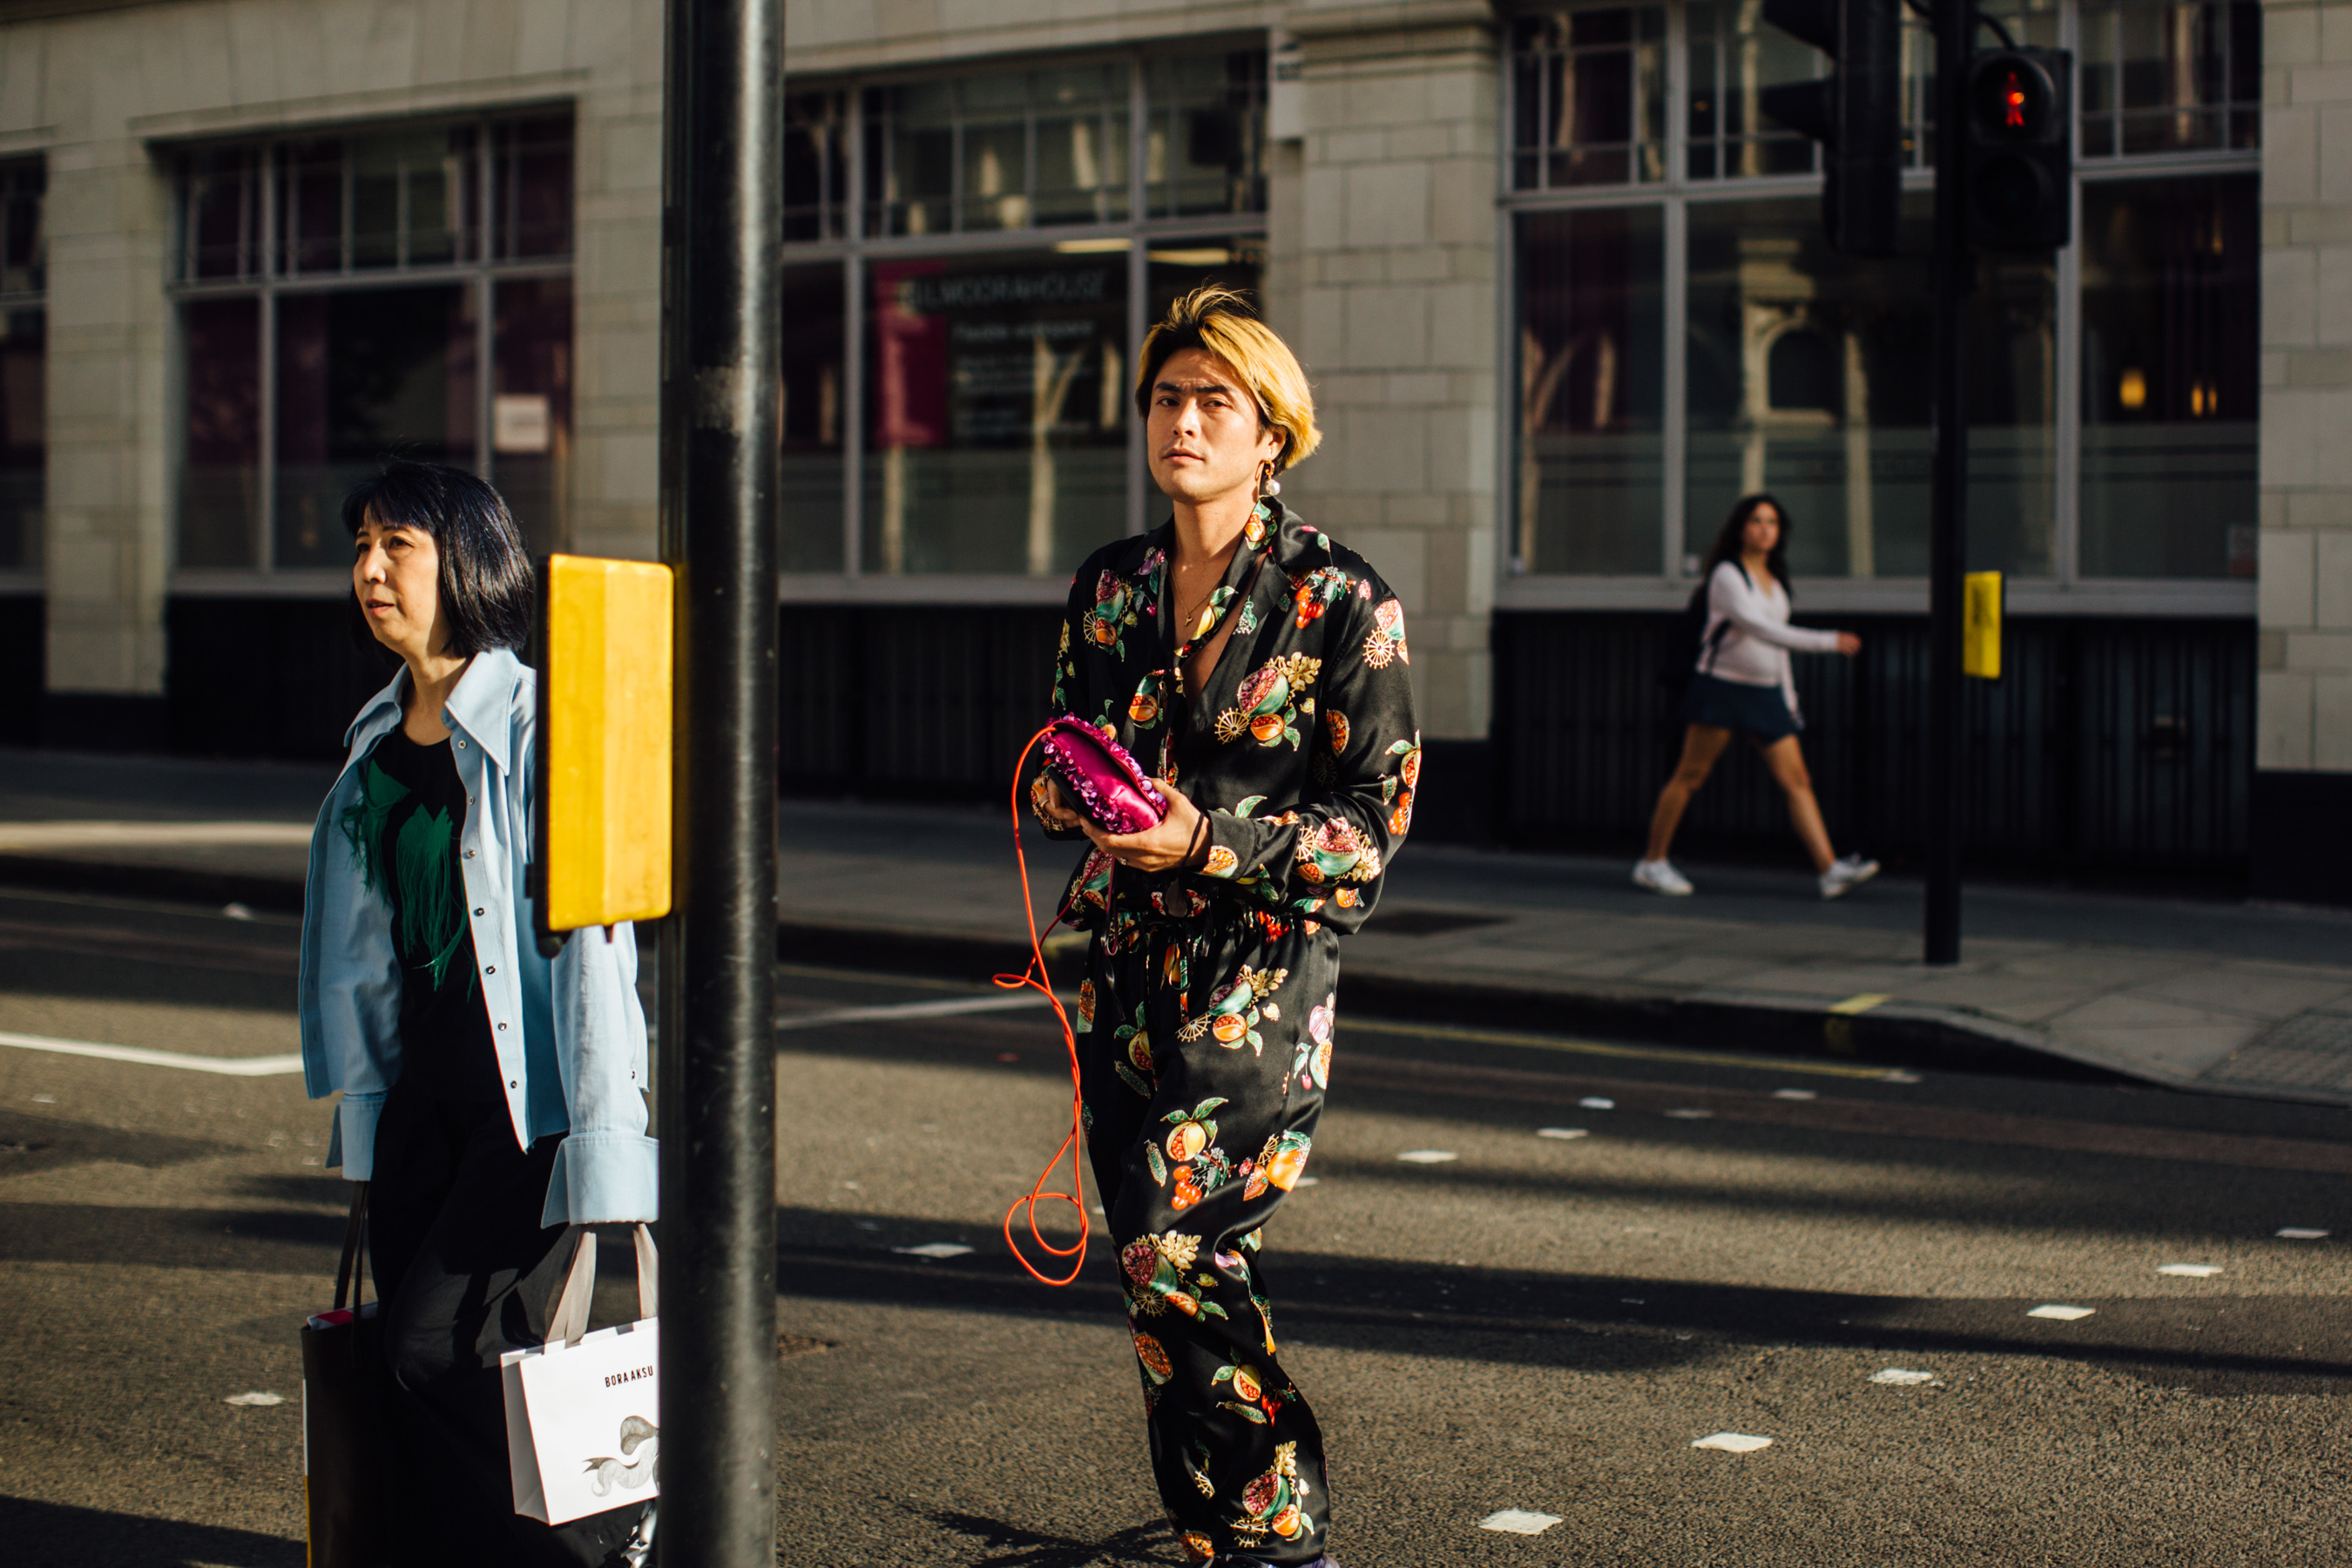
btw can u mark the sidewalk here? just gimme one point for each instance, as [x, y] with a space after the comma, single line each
[2224, 998]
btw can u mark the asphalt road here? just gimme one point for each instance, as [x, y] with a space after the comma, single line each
[1539, 1322]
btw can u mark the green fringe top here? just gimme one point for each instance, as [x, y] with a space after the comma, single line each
[428, 903]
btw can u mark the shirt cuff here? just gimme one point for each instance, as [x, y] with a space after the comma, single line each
[1233, 844]
[354, 1137]
[605, 1178]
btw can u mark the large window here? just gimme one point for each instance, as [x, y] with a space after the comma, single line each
[2169, 330]
[968, 264]
[344, 298]
[1591, 391]
[24, 364]
[1808, 375]
[1686, 336]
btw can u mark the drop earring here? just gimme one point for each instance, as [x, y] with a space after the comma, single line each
[1267, 485]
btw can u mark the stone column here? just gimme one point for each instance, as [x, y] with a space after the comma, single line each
[106, 555]
[2302, 784]
[617, 321]
[1383, 277]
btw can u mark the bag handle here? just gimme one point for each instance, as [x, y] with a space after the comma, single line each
[349, 1272]
[567, 1319]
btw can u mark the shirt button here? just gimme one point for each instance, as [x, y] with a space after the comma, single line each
[493, 969]
[477, 912]
[501, 1026]
[511, 1084]
[461, 745]
[469, 855]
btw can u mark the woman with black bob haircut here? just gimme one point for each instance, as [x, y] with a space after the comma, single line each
[491, 1098]
[1741, 683]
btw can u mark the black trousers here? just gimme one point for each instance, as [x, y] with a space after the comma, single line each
[465, 1271]
[1206, 1052]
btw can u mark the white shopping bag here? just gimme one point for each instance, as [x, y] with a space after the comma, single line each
[582, 1410]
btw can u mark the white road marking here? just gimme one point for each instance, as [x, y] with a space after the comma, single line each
[1691, 1113]
[1560, 1132]
[2296, 1233]
[2063, 1314]
[233, 1066]
[1595, 1102]
[1734, 1442]
[2190, 1270]
[255, 1396]
[1428, 1156]
[1519, 1521]
[1902, 1377]
[21, 835]
[935, 1249]
[1795, 1094]
[948, 1008]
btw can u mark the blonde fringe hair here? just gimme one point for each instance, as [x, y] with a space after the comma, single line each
[1219, 320]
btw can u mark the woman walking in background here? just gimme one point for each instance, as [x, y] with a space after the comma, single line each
[1742, 683]
[491, 1097]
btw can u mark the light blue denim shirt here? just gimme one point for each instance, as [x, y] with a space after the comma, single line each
[570, 1037]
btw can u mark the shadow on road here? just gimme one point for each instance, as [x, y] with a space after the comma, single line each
[1017, 1546]
[2271, 1344]
[92, 1538]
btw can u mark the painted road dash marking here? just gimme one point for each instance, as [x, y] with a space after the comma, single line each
[1519, 1521]
[1861, 1003]
[232, 1067]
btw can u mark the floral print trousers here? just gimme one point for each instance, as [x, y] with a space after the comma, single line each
[1207, 1051]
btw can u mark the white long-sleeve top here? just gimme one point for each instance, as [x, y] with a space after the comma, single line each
[1752, 649]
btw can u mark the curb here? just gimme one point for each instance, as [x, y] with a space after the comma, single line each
[1893, 1034]
[62, 873]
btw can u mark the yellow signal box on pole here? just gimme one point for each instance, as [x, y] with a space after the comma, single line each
[1980, 605]
[602, 827]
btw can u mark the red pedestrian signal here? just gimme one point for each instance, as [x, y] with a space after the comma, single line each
[2020, 126]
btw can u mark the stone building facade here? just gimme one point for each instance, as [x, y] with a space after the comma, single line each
[1557, 280]
[2305, 748]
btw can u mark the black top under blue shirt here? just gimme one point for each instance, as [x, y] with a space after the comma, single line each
[407, 830]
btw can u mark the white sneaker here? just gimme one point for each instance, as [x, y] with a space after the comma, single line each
[1844, 875]
[1660, 877]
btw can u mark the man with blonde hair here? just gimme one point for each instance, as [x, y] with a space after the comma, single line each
[1259, 670]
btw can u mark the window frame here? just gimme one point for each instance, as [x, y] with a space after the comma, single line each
[275, 280]
[2066, 590]
[855, 248]
[31, 578]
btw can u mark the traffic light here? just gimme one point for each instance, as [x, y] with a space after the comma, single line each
[1855, 114]
[2021, 118]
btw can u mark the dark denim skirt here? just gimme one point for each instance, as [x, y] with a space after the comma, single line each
[1756, 711]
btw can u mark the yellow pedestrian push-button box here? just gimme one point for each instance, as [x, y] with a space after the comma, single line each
[1980, 605]
[601, 833]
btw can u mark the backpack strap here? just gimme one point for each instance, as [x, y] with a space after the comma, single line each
[1712, 644]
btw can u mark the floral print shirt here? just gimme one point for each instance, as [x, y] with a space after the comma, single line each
[1300, 750]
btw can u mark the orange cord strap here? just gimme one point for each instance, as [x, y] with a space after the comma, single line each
[1075, 1144]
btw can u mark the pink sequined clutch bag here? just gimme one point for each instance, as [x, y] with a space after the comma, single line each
[1103, 782]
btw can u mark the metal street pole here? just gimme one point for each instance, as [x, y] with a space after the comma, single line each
[1948, 547]
[721, 223]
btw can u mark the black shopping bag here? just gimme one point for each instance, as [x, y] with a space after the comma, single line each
[342, 1416]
